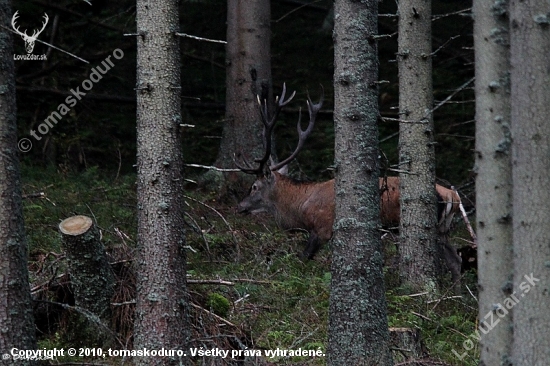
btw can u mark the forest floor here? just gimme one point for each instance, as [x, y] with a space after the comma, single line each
[247, 286]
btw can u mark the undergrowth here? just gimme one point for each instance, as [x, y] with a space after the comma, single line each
[247, 285]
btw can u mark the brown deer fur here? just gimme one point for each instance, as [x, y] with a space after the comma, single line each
[310, 206]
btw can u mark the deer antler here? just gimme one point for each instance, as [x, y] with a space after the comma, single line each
[303, 134]
[29, 40]
[269, 123]
[36, 33]
[16, 28]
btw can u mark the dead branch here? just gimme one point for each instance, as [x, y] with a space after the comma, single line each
[467, 222]
[34, 195]
[211, 282]
[213, 315]
[86, 314]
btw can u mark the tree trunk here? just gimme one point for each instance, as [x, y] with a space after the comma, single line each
[494, 175]
[358, 326]
[161, 301]
[419, 254]
[17, 328]
[248, 62]
[407, 345]
[530, 96]
[91, 276]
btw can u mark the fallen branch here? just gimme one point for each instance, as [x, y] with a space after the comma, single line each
[217, 213]
[34, 195]
[211, 282]
[88, 315]
[214, 315]
[228, 283]
[465, 217]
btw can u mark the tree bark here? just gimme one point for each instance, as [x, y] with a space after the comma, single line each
[407, 345]
[494, 174]
[530, 96]
[92, 279]
[17, 329]
[161, 302]
[419, 254]
[248, 61]
[358, 326]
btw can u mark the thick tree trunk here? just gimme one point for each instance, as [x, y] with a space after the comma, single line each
[418, 250]
[248, 62]
[358, 327]
[92, 279]
[530, 96]
[17, 328]
[161, 301]
[494, 175]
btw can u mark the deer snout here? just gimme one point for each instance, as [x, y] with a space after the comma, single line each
[242, 209]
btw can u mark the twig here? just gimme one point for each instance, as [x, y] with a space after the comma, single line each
[80, 364]
[445, 298]
[241, 299]
[131, 302]
[87, 314]
[198, 228]
[214, 315]
[200, 38]
[300, 340]
[423, 362]
[466, 221]
[471, 293]
[421, 316]
[459, 12]
[217, 212]
[402, 171]
[55, 255]
[211, 282]
[119, 163]
[212, 168]
[34, 195]
[459, 89]
[444, 44]
[253, 281]
[66, 10]
[296, 9]
[467, 241]
[47, 283]
[419, 294]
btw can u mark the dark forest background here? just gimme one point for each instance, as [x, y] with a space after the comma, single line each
[100, 130]
[85, 165]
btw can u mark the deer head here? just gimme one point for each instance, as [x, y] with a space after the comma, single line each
[29, 40]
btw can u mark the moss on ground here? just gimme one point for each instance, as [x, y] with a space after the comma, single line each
[270, 298]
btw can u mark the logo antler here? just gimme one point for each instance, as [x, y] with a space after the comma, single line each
[29, 40]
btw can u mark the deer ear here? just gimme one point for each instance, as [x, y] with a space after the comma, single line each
[283, 170]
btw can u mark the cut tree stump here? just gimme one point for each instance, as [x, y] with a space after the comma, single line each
[92, 279]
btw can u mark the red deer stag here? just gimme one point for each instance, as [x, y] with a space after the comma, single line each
[310, 206]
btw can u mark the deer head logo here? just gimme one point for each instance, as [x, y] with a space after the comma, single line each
[29, 40]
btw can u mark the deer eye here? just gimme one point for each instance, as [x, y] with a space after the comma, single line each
[254, 187]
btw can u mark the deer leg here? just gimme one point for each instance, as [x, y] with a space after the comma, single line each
[312, 247]
[452, 259]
